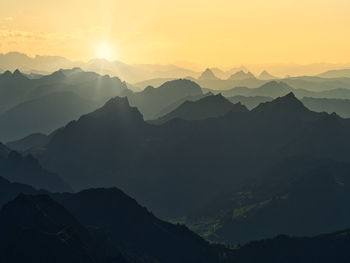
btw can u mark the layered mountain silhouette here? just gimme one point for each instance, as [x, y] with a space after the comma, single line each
[96, 225]
[105, 225]
[208, 107]
[208, 75]
[35, 140]
[27, 170]
[43, 115]
[166, 165]
[152, 100]
[241, 75]
[266, 76]
[250, 101]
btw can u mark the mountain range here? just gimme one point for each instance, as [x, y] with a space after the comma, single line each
[211, 160]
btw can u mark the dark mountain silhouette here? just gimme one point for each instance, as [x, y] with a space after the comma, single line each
[208, 107]
[43, 115]
[100, 225]
[208, 75]
[286, 108]
[241, 75]
[27, 170]
[152, 100]
[170, 168]
[105, 225]
[266, 76]
[37, 229]
[323, 248]
[249, 102]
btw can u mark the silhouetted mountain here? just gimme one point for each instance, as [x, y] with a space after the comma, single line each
[207, 75]
[16, 88]
[249, 102]
[286, 108]
[339, 106]
[151, 100]
[297, 196]
[27, 170]
[266, 76]
[37, 229]
[169, 167]
[241, 75]
[323, 248]
[35, 140]
[208, 107]
[43, 115]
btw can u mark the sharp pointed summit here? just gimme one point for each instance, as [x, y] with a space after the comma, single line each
[208, 74]
[266, 76]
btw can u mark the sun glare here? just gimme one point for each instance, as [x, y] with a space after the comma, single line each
[103, 50]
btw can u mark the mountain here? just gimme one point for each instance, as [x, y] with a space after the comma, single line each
[339, 106]
[16, 88]
[95, 225]
[175, 163]
[35, 140]
[340, 73]
[241, 75]
[27, 170]
[249, 101]
[152, 100]
[37, 229]
[322, 248]
[208, 75]
[16, 60]
[291, 197]
[43, 115]
[266, 76]
[207, 107]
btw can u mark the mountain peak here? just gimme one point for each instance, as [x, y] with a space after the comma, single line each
[241, 75]
[208, 74]
[266, 76]
[286, 106]
[117, 108]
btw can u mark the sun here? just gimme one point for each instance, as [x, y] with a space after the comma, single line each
[104, 50]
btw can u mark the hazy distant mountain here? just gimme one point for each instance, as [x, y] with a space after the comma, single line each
[152, 100]
[266, 76]
[35, 140]
[207, 75]
[16, 60]
[43, 115]
[207, 107]
[249, 102]
[241, 75]
[16, 88]
[27, 170]
[339, 106]
[340, 73]
[275, 89]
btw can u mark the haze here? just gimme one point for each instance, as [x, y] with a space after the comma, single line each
[206, 33]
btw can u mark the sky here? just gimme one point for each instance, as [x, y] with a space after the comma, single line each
[211, 33]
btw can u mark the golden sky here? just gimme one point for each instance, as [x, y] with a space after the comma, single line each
[211, 33]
